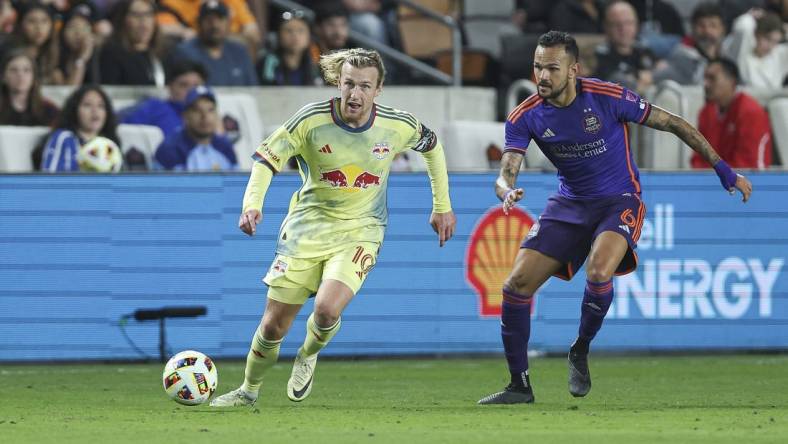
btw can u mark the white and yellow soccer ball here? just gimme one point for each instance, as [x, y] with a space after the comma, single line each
[190, 378]
[100, 155]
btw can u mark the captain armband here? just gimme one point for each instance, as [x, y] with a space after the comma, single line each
[427, 141]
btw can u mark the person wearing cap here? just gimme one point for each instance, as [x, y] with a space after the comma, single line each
[182, 77]
[78, 63]
[227, 62]
[178, 18]
[196, 146]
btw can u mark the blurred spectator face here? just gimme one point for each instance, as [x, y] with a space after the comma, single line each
[621, 25]
[183, 84]
[92, 113]
[18, 75]
[37, 27]
[764, 43]
[213, 29]
[333, 32]
[717, 86]
[77, 32]
[708, 30]
[358, 88]
[201, 119]
[140, 23]
[294, 36]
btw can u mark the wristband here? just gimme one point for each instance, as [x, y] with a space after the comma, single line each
[726, 174]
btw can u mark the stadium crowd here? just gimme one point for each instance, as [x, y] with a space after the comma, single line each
[180, 45]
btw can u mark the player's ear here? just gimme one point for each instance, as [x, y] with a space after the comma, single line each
[379, 90]
[574, 68]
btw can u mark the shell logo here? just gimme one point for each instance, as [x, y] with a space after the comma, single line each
[493, 246]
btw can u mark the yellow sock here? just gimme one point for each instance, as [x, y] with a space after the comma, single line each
[262, 356]
[317, 337]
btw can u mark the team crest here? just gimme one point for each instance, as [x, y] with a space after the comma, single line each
[591, 122]
[381, 150]
[278, 268]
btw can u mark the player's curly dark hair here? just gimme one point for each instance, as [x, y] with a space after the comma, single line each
[555, 38]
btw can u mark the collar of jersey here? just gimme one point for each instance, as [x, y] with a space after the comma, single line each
[341, 123]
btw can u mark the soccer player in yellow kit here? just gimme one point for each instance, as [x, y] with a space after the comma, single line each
[329, 241]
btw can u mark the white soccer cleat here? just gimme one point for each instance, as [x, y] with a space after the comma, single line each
[235, 398]
[299, 386]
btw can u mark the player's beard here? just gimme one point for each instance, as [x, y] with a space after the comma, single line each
[555, 92]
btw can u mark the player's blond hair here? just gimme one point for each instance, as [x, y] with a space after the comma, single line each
[331, 64]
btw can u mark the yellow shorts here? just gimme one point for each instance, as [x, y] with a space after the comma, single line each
[293, 281]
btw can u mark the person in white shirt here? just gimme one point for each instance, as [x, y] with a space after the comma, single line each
[756, 46]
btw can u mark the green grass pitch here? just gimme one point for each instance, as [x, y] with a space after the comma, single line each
[715, 399]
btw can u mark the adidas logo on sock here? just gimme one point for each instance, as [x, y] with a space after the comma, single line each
[625, 228]
[548, 133]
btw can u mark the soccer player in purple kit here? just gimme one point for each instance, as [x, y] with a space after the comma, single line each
[581, 126]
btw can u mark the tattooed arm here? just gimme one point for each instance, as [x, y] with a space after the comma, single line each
[504, 185]
[665, 121]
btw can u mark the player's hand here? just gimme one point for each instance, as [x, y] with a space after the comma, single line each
[511, 198]
[744, 186]
[443, 224]
[249, 220]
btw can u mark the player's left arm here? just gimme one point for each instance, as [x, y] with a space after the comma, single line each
[663, 120]
[442, 218]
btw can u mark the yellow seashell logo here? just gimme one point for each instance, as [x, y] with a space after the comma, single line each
[494, 244]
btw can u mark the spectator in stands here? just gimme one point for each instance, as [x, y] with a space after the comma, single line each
[367, 17]
[182, 77]
[78, 60]
[732, 121]
[227, 62]
[687, 62]
[577, 16]
[21, 102]
[621, 59]
[532, 16]
[290, 63]
[178, 19]
[756, 46]
[87, 113]
[661, 26]
[331, 30]
[35, 31]
[196, 146]
[131, 56]
[7, 18]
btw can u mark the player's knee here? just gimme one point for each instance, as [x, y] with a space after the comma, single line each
[522, 294]
[325, 315]
[518, 285]
[598, 274]
[272, 330]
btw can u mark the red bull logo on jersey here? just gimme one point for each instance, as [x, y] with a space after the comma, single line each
[351, 178]
[494, 244]
[381, 150]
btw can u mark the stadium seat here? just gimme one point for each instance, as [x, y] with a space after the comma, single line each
[16, 147]
[144, 138]
[242, 123]
[478, 68]
[778, 115]
[466, 144]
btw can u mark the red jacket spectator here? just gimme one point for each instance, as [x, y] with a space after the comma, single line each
[741, 135]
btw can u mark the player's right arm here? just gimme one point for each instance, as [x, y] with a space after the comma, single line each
[270, 157]
[516, 140]
[663, 120]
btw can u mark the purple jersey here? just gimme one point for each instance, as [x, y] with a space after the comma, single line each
[588, 141]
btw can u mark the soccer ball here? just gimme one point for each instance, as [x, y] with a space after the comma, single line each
[190, 378]
[100, 155]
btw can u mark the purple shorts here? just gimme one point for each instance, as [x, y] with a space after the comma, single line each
[567, 229]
